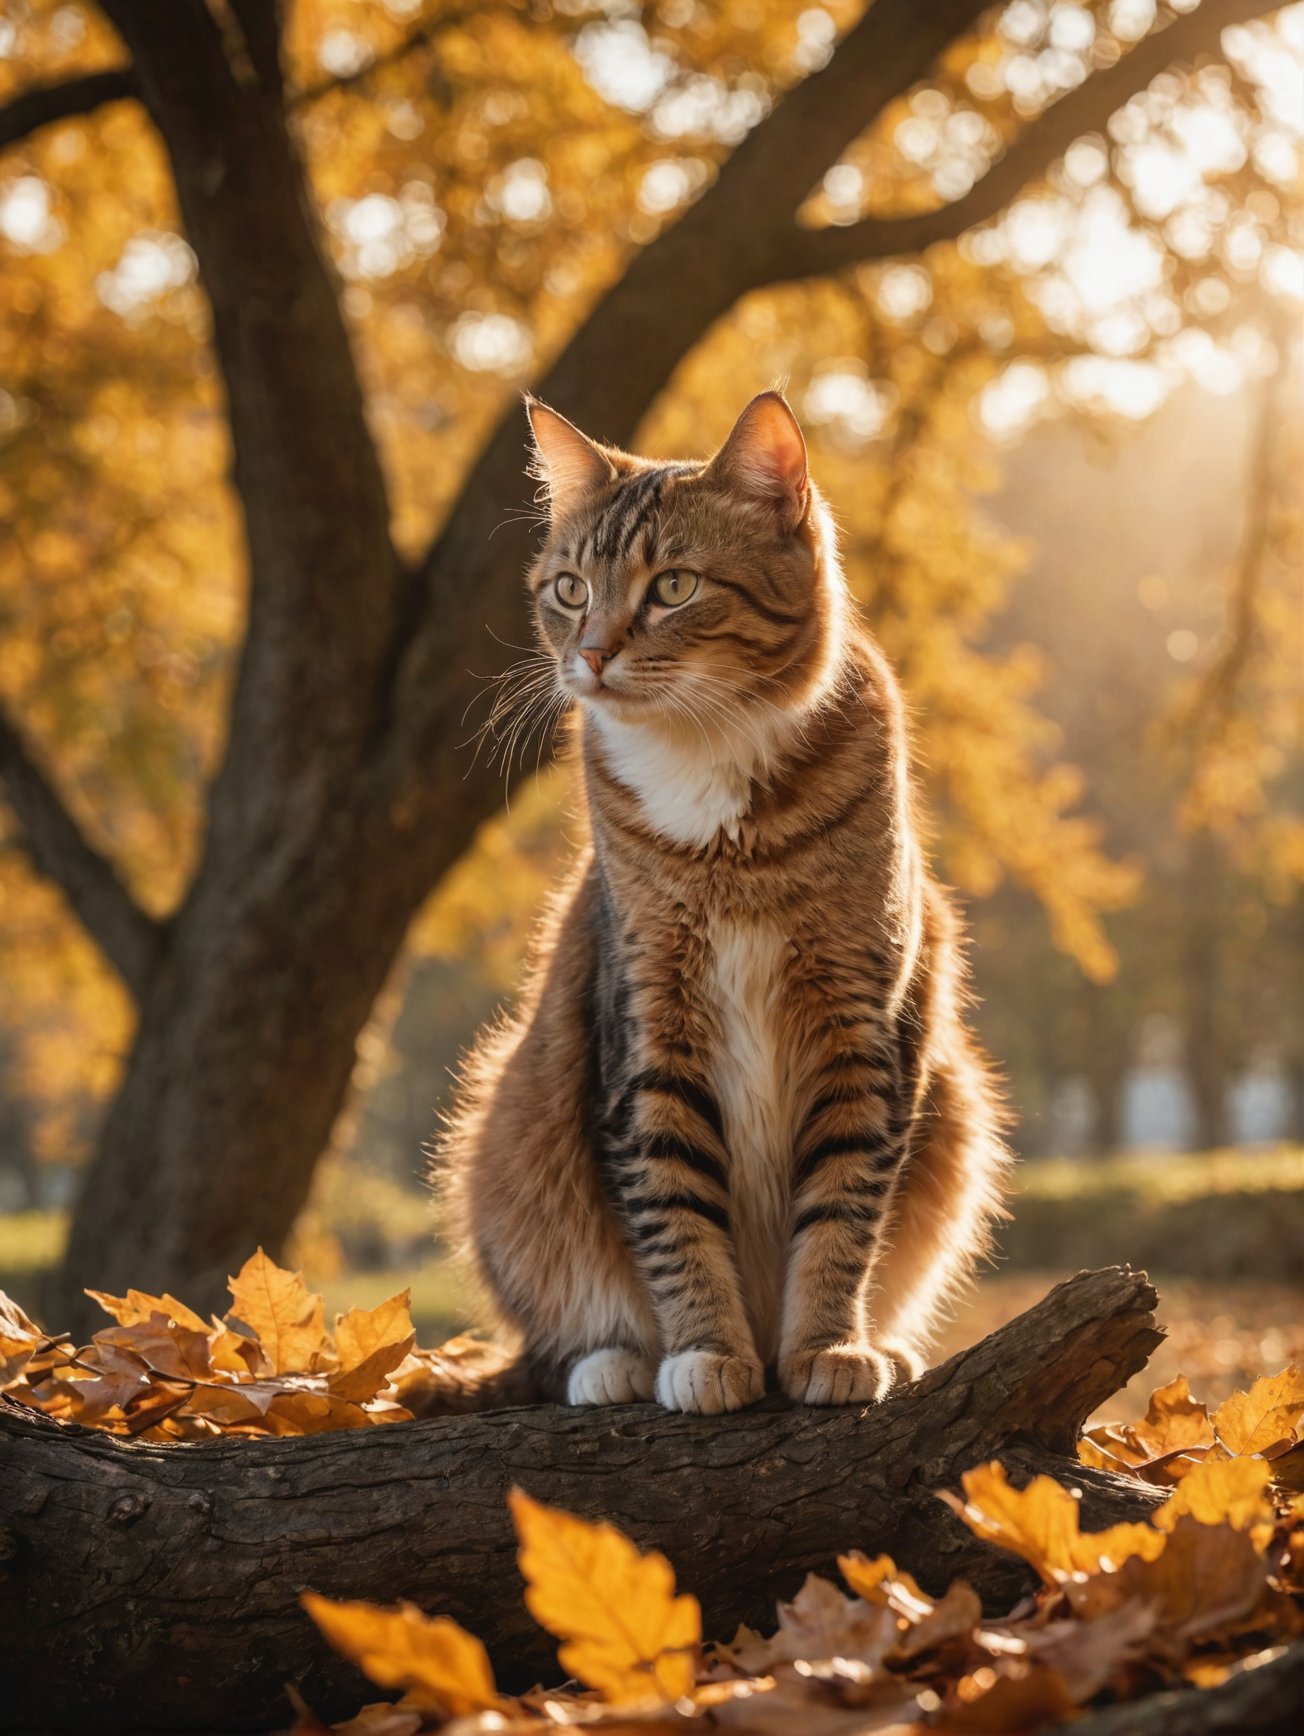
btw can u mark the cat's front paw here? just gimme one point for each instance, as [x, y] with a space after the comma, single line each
[707, 1382]
[837, 1374]
[611, 1377]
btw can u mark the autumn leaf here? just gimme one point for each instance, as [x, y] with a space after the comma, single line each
[136, 1307]
[1174, 1422]
[881, 1581]
[1223, 1492]
[439, 1665]
[1207, 1581]
[1041, 1523]
[625, 1632]
[285, 1316]
[818, 1624]
[20, 1338]
[1269, 1415]
[371, 1343]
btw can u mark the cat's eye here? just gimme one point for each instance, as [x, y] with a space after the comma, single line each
[571, 591]
[675, 587]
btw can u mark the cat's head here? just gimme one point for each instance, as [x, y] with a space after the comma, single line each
[679, 592]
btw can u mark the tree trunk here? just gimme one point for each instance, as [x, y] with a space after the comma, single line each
[169, 1577]
[1203, 1033]
[242, 1062]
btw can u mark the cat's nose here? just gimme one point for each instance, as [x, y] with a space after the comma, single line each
[598, 656]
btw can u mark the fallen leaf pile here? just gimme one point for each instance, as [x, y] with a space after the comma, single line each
[270, 1367]
[1177, 1433]
[1211, 1584]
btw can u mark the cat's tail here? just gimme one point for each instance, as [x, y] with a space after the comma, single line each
[466, 1374]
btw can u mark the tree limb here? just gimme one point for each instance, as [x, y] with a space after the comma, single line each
[45, 103]
[169, 1578]
[815, 252]
[129, 938]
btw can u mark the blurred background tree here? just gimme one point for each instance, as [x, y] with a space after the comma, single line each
[273, 277]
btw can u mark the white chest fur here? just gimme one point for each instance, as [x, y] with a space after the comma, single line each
[692, 781]
[752, 1085]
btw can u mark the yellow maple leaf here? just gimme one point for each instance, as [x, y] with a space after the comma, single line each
[624, 1630]
[371, 1342]
[285, 1316]
[136, 1307]
[1270, 1414]
[1223, 1491]
[1042, 1524]
[441, 1666]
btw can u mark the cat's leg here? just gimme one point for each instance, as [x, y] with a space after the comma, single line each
[949, 1192]
[672, 1184]
[848, 1157]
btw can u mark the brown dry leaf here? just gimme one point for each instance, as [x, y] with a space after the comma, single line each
[1004, 1705]
[441, 1666]
[1088, 1655]
[20, 1339]
[1174, 1422]
[626, 1633]
[371, 1343]
[1270, 1415]
[1041, 1523]
[931, 1623]
[1209, 1582]
[136, 1307]
[953, 1617]
[818, 1624]
[286, 1317]
[120, 1377]
[173, 1351]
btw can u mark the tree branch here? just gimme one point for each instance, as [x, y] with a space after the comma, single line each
[44, 103]
[815, 252]
[129, 938]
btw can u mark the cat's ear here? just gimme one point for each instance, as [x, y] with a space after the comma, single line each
[765, 457]
[566, 461]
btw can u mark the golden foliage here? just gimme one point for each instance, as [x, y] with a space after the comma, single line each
[270, 1367]
[625, 1632]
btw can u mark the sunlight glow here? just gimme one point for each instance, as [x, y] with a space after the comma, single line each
[491, 343]
[25, 216]
[150, 266]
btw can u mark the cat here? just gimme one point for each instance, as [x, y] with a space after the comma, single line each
[737, 1122]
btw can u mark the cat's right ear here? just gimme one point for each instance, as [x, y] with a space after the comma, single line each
[565, 461]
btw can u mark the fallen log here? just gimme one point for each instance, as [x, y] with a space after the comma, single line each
[155, 1587]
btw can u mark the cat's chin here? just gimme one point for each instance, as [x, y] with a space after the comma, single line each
[611, 702]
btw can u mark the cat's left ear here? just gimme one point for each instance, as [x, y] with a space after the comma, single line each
[765, 458]
[565, 460]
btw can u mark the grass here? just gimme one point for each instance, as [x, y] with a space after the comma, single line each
[1163, 1176]
[1218, 1230]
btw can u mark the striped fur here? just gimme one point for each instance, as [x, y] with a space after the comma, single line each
[737, 1121]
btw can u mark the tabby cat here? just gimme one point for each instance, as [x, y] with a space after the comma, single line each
[737, 1122]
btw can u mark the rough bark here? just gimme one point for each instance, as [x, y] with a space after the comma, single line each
[169, 1577]
[1261, 1700]
[341, 799]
